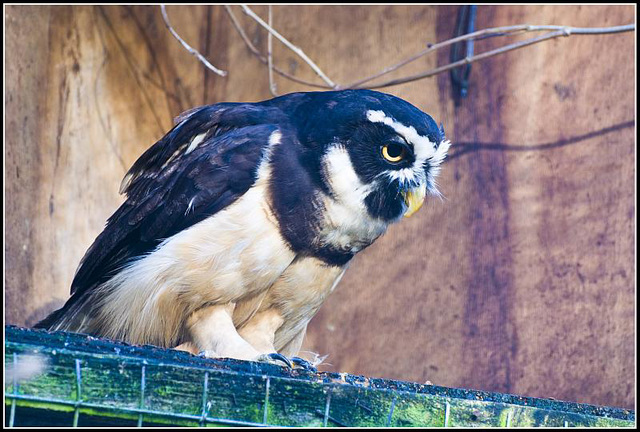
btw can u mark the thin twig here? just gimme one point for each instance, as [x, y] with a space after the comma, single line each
[262, 58]
[563, 31]
[186, 46]
[481, 34]
[433, 47]
[554, 31]
[289, 45]
[272, 84]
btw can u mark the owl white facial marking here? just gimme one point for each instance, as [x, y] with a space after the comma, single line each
[425, 151]
[347, 224]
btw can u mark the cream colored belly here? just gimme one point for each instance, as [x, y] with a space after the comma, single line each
[236, 254]
[295, 297]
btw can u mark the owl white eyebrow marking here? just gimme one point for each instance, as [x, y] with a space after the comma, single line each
[424, 148]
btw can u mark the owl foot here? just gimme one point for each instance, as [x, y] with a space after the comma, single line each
[275, 358]
[300, 363]
[271, 358]
[290, 362]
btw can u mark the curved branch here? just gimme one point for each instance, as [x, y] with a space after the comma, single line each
[188, 47]
[289, 45]
[272, 83]
[262, 58]
[555, 31]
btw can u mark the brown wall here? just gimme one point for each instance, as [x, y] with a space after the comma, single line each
[521, 280]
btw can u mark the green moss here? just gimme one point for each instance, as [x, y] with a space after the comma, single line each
[418, 410]
[475, 413]
[51, 406]
[187, 386]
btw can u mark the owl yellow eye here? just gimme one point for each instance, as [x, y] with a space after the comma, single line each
[393, 152]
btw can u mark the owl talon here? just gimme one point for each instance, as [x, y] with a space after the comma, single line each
[275, 358]
[300, 363]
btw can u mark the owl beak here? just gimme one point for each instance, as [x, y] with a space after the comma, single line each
[414, 198]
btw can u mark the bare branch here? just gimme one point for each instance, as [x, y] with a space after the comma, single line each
[289, 45]
[561, 31]
[262, 58]
[433, 47]
[481, 34]
[272, 84]
[553, 31]
[186, 46]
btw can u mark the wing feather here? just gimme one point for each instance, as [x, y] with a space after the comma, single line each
[170, 189]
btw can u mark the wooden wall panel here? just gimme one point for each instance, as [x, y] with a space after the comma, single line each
[521, 280]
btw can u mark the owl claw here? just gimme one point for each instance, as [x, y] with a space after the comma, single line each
[275, 358]
[300, 363]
